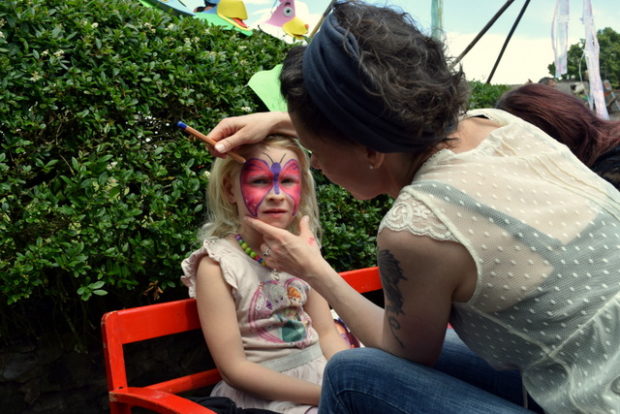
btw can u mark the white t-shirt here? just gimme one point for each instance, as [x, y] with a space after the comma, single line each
[272, 320]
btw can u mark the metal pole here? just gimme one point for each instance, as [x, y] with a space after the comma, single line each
[483, 31]
[514, 26]
[320, 22]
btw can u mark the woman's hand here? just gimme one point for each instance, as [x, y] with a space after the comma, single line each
[299, 255]
[247, 129]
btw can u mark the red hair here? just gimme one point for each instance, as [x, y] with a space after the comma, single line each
[565, 118]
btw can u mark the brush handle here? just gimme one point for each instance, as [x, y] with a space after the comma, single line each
[208, 140]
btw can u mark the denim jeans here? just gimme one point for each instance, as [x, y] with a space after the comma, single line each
[368, 380]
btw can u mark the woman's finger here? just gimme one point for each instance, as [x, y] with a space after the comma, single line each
[232, 141]
[305, 232]
[268, 231]
[225, 128]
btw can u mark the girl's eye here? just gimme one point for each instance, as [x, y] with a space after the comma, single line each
[260, 181]
[289, 180]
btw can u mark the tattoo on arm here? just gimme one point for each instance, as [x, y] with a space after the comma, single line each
[391, 274]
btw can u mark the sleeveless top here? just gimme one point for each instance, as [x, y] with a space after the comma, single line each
[544, 232]
[270, 312]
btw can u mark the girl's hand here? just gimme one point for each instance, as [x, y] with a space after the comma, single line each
[299, 255]
[248, 129]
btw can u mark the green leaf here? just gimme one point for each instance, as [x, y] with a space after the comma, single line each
[96, 285]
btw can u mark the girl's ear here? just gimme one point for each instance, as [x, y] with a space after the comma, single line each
[227, 190]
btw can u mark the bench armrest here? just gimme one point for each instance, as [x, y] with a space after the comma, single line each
[158, 401]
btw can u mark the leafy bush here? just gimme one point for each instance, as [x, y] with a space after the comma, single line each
[349, 227]
[484, 95]
[99, 192]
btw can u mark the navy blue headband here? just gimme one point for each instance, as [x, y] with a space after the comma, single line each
[333, 79]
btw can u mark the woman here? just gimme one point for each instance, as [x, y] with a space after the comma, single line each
[496, 228]
[595, 141]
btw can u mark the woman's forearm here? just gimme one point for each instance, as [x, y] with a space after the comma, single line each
[282, 124]
[362, 317]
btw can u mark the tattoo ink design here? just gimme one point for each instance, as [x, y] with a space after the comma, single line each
[258, 178]
[391, 274]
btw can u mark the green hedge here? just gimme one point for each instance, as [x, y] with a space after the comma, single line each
[484, 95]
[100, 195]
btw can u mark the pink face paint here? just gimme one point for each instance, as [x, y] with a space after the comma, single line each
[257, 179]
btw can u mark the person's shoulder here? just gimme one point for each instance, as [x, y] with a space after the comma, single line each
[435, 261]
[414, 246]
[410, 214]
[498, 116]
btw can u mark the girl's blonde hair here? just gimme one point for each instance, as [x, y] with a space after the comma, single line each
[223, 218]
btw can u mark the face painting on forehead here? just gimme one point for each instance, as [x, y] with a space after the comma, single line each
[258, 178]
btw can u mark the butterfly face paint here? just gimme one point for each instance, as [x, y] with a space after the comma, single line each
[258, 179]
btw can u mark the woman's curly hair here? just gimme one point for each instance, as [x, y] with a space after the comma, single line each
[404, 68]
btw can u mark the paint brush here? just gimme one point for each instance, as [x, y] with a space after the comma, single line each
[208, 140]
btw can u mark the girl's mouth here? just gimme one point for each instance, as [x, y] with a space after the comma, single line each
[275, 212]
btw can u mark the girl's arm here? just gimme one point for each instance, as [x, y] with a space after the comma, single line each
[218, 318]
[330, 339]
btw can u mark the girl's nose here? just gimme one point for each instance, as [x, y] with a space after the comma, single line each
[275, 193]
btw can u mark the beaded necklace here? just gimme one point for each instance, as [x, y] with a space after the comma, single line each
[248, 250]
[275, 275]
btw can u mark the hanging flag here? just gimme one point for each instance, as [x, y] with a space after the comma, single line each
[437, 20]
[266, 84]
[559, 37]
[596, 99]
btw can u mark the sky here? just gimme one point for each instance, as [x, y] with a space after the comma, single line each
[528, 53]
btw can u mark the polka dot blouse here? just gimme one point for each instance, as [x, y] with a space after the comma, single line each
[544, 232]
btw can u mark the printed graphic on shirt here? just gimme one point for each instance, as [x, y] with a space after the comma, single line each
[277, 314]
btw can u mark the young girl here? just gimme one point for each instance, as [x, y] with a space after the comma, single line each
[268, 332]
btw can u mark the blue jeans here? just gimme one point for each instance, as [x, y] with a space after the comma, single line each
[367, 380]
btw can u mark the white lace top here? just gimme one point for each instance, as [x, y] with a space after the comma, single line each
[544, 232]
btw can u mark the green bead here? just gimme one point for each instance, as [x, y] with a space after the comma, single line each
[253, 254]
[248, 250]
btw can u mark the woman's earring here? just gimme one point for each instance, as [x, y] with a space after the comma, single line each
[371, 167]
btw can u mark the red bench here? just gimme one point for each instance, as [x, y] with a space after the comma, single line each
[153, 321]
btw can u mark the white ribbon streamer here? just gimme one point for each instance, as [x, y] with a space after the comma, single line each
[559, 37]
[596, 99]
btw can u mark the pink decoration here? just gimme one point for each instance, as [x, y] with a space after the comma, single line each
[283, 13]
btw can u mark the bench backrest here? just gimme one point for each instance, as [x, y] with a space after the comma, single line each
[153, 321]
